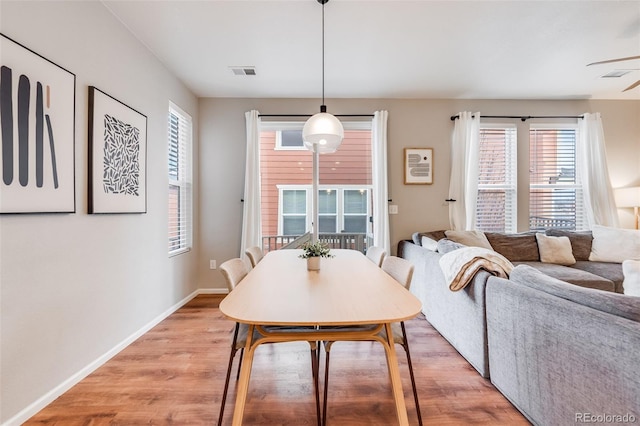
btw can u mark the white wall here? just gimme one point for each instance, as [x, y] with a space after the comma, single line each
[74, 286]
[412, 123]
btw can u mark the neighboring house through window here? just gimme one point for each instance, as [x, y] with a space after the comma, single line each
[344, 198]
[180, 188]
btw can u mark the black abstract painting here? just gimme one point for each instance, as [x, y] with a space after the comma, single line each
[37, 121]
[117, 156]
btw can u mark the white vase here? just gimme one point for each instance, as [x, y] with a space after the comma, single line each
[313, 263]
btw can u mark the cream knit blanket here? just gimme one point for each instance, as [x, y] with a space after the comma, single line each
[460, 266]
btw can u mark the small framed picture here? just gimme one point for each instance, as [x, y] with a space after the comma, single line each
[418, 166]
[117, 156]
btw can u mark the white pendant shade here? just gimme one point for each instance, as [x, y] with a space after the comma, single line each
[322, 132]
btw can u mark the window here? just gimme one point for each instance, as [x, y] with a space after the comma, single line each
[497, 181]
[294, 211]
[345, 196]
[289, 139]
[179, 144]
[555, 193]
[340, 210]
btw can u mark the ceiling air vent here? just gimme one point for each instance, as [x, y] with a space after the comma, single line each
[243, 70]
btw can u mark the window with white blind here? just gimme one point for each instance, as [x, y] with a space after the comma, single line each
[555, 192]
[497, 181]
[180, 192]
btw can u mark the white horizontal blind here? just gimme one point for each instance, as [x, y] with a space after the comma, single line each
[555, 192]
[497, 183]
[180, 188]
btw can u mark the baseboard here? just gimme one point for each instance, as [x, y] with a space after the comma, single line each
[50, 396]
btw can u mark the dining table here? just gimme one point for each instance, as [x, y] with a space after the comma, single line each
[348, 290]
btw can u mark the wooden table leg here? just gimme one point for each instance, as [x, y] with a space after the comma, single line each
[243, 382]
[394, 374]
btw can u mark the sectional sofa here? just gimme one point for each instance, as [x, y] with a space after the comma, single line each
[548, 335]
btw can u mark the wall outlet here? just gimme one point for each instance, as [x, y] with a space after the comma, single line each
[393, 209]
[212, 264]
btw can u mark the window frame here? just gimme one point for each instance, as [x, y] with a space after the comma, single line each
[511, 174]
[184, 180]
[581, 222]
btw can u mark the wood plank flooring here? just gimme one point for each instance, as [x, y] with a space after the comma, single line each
[174, 374]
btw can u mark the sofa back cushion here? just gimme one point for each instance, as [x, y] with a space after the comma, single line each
[612, 303]
[521, 247]
[580, 241]
[469, 238]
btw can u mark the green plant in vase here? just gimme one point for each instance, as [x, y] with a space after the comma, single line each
[313, 252]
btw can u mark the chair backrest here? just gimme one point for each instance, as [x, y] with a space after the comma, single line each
[233, 271]
[400, 269]
[376, 254]
[255, 255]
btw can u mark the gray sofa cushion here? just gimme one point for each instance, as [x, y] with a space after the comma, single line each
[446, 245]
[612, 271]
[572, 275]
[612, 303]
[515, 247]
[580, 241]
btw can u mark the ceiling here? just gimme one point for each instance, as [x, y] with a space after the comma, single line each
[393, 48]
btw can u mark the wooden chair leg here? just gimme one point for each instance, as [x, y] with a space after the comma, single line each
[315, 372]
[413, 380]
[226, 381]
[240, 363]
[327, 349]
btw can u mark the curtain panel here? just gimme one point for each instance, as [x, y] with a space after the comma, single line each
[381, 236]
[598, 193]
[465, 157]
[251, 228]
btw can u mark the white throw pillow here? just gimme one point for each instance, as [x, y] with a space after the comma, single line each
[429, 243]
[555, 249]
[614, 244]
[631, 283]
[469, 238]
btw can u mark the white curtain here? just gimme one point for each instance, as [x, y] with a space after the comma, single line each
[598, 194]
[463, 185]
[251, 232]
[381, 236]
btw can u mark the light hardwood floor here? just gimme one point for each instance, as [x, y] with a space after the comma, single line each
[174, 374]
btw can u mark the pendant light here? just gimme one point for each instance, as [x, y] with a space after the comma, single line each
[323, 132]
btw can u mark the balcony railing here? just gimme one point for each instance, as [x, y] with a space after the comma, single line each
[352, 241]
[537, 223]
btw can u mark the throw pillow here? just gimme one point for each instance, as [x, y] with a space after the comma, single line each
[580, 241]
[429, 243]
[614, 244]
[631, 283]
[520, 247]
[469, 238]
[555, 250]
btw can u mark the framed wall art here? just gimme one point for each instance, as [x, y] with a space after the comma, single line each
[418, 166]
[37, 122]
[117, 156]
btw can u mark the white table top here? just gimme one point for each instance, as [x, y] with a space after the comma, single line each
[349, 289]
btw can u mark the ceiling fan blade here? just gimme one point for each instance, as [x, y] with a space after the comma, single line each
[629, 58]
[633, 86]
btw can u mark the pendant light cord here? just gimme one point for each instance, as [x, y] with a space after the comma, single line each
[323, 53]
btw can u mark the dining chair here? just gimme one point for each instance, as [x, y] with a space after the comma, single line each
[376, 255]
[255, 255]
[233, 271]
[400, 270]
